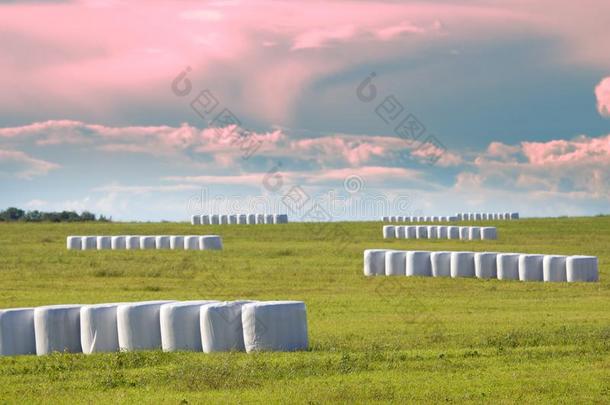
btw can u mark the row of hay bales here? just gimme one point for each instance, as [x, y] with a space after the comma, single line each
[503, 266]
[241, 219]
[136, 242]
[201, 326]
[439, 232]
[466, 216]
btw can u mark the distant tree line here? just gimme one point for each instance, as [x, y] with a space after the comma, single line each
[13, 214]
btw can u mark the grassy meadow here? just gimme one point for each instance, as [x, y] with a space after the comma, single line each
[371, 339]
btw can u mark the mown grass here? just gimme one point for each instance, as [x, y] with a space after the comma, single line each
[372, 340]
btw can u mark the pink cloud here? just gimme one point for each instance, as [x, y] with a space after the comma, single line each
[582, 149]
[22, 165]
[602, 93]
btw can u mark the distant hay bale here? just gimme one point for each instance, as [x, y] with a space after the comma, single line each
[395, 263]
[489, 233]
[162, 242]
[508, 266]
[210, 242]
[118, 242]
[418, 264]
[73, 242]
[554, 268]
[389, 232]
[176, 242]
[191, 242]
[205, 220]
[582, 268]
[440, 264]
[462, 264]
[374, 262]
[421, 232]
[474, 233]
[195, 220]
[147, 242]
[132, 242]
[485, 265]
[530, 267]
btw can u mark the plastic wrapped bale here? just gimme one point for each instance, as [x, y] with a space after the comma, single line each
[432, 232]
[162, 242]
[435, 219]
[132, 242]
[514, 215]
[283, 218]
[488, 233]
[460, 216]
[484, 216]
[477, 216]
[554, 268]
[269, 218]
[117, 243]
[530, 267]
[57, 329]
[179, 322]
[485, 265]
[411, 232]
[421, 232]
[138, 325]
[215, 220]
[413, 219]
[392, 218]
[501, 216]
[395, 263]
[233, 219]
[389, 232]
[507, 215]
[421, 219]
[582, 268]
[251, 219]
[464, 232]
[195, 220]
[408, 219]
[385, 219]
[176, 242]
[260, 218]
[427, 218]
[103, 243]
[474, 233]
[507, 265]
[224, 220]
[89, 243]
[418, 264]
[191, 242]
[453, 219]
[443, 219]
[275, 326]
[210, 242]
[73, 242]
[442, 232]
[98, 330]
[277, 219]
[440, 263]
[148, 242]
[17, 331]
[374, 262]
[453, 232]
[462, 264]
[220, 326]
[205, 220]
[399, 232]
[400, 218]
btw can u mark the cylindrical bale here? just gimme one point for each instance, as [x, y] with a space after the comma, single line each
[427, 218]
[17, 334]
[215, 219]
[74, 242]
[489, 233]
[554, 268]
[501, 216]
[399, 232]
[210, 242]
[485, 265]
[462, 264]
[453, 232]
[421, 219]
[269, 219]
[260, 218]
[176, 242]
[514, 215]
[421, 232]
[275, 326]
[179, 322]
[224, 220]
[103, 242]
[442, 232]
[205, 219]
[507, 265]
[443, 219]
[233, 219]
[408, 219]
[411, 232]
[477, 216]
[147, 242]
[435, 219]
[242, 219]
[191, 242]
[132, 242]
[400, 218]
[195, 220]
[385, 219]
[432, 232]
[460, 216]
[418, 264]
[582, 268]
[530, 267]
[162, 242]
[57, 329]
[507, 215]
[98, 331]
[283, 218]
[220, 326]
[138, 325]
[484, 216]
[117, 243]
[452, 219]
[464, 232]
[251, 219]
[393, 218]
[474, 233]
[395, 263]
[89, 243]
[389, 232]
[374, 262]
[440, 264]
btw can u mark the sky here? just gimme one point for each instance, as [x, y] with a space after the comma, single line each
[336, 110]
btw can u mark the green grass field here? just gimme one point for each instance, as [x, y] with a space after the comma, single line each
[371, 339]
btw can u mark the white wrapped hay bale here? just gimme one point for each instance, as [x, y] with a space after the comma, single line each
[427, 218]
[389, 232]
[98, 330]
[485, 265]
[400, 218]
[408, 219]
[418, 264]
[179, 322]
[224, 220]
[89, 243]
[477, 216]
[484, 216]
[205, 219]
[220, 326]
[117, 243]
[260, 218]
[374, 262]
[233, 219]
[399, 232]
[277, 219]
[440, 263]
[462, 264]
[582, 268]
[464, 232]
[210, 242]
[432, 232]
[514, 215]
[132, 242]
[385, 219]
[73, 242]
[421, 232]
[138, 325]
[453, 232]
[453, 219]
[148, 242]
[251, 219]
[443, 219]
[554, 268]
[442, 232]
[393, 218]
[530, 267]
[162, 242]
[411, 232]
[191, 242]
[507, 215]
[435, 219]
[283, 218]
[17, 331]
[57, 329]
[421, 219]
[215, 219]
[103, 242]
[507, 265]
[195, 220]
[489, 233]
[275, 326]
[176, 242]
[474, 233]
[459, 216]
[395, 263]
[269, 218]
